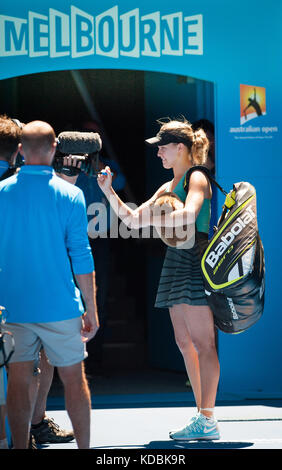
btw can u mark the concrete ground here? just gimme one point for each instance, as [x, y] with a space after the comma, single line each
[136, 410]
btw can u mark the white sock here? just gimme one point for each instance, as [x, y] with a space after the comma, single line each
[207, 409]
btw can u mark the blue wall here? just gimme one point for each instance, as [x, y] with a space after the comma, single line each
[241, 44]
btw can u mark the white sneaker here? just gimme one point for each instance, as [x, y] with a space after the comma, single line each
[190, 421]
[201, 428]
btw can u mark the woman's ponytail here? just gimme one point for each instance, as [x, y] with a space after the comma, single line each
[200, 147]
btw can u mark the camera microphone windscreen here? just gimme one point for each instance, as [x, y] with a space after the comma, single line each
[71, 142]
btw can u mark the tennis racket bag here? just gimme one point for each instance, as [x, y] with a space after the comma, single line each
[233, 264]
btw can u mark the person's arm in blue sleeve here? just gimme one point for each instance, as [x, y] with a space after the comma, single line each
[83, 265]
[77, 242]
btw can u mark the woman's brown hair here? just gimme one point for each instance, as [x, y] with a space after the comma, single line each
[196, 142]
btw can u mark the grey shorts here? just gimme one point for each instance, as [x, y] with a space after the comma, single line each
[61, 341]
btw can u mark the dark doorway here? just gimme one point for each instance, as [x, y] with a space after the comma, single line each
[127, 103]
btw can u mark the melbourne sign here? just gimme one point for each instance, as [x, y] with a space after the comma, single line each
[78, 33]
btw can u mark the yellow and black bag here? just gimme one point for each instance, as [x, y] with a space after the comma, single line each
[233, 264]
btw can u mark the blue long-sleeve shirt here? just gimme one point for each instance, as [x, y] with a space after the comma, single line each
[43, 238]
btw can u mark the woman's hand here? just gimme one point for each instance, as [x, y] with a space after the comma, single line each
[105, 180]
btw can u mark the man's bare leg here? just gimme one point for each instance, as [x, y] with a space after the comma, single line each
[21, 396]
[78, 402]
[46, 378]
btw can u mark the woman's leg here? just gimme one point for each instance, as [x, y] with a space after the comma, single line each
[200, 324]
[196, 322]
[187, 349]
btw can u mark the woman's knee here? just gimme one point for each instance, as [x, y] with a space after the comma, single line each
[204, 345]
[183, 342]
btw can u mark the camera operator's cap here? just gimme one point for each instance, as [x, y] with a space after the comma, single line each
[169, 136]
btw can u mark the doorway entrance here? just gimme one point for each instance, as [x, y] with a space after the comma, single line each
[127, 105]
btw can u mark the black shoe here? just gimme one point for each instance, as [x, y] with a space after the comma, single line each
[50, 432]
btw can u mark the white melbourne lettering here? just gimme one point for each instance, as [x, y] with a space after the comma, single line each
[108, 34]
[228, 238]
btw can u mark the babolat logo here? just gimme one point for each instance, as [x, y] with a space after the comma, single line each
[228, 238]
[232, 308]
[58, 34]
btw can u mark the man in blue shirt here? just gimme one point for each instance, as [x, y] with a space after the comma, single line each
[43, 242]
[43, 428]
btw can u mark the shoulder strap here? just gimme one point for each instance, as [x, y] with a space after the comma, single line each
[8, 173]
[207, 173]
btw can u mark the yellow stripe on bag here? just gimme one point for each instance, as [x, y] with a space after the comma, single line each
[230, 199]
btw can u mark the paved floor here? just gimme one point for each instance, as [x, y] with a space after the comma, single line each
[158, 402]
[246, 427]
